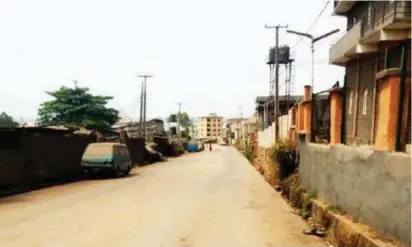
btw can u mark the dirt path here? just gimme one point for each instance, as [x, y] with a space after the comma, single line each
[204, 199]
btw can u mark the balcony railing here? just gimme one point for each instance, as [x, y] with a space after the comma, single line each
[388, 12]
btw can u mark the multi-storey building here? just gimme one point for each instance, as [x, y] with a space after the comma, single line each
[377, 38]
[210, 126]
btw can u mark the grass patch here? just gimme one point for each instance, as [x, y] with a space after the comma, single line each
[306, 210]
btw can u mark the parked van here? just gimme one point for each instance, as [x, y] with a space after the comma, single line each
[113, 157]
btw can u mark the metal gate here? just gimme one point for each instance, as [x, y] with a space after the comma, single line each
[320, 118]
[320, 124]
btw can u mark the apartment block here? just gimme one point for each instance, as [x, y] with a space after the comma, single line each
[377, 40]
[210, 126]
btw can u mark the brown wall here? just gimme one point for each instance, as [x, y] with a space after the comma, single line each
[137, 149]
[41, 156]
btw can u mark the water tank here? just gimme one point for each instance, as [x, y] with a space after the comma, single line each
[272, 55]
[284, 55]
[284, 52]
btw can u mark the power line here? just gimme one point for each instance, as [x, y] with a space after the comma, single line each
[314, 22]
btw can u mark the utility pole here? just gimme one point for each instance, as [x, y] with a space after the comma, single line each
[143, 104]
[276, 73]
[178, 120]
[141, 111]
[312, 49]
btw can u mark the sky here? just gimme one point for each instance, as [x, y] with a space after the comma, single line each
[209, 55]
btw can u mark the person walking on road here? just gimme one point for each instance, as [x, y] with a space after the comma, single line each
[210, 147]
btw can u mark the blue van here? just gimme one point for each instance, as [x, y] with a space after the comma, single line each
[105, 156]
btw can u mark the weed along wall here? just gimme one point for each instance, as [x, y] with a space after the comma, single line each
[373, 187]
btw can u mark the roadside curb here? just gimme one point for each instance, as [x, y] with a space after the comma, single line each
[340, 228]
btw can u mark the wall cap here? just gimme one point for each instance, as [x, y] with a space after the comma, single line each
[387, 72]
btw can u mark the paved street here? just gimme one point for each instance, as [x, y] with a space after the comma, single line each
[207, 199]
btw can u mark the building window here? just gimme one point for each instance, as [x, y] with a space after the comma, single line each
[365, 102]
[350, 102]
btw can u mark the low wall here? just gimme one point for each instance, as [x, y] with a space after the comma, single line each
[266, 138]
[284, 126]
[373, 187]
[37, 156]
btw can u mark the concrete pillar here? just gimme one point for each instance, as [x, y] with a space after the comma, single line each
[292, 134]
[307, 112]
[292, 116]
[389, 91]
[306, 95]
[300, 118]
[335, 116]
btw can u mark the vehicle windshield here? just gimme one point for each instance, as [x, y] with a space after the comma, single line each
[98, 152]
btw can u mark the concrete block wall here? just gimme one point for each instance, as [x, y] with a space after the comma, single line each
[373, 187]
[266, 138]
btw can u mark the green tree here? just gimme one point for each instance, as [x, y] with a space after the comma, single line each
[184, 119]
[77, 107]
[7, 121]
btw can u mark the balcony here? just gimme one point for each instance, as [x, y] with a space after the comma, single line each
[382, 22]
[348, 46]
[342, 7]
[389, 21]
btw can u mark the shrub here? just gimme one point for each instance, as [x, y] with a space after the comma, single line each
[248, 152]
[180, 149]
[283, 153]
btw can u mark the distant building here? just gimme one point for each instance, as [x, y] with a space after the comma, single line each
[210, 126]
[194, 131]
[154, 127]
[242, 127]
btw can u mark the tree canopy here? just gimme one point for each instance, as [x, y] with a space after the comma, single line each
[77, 107]
[184, 119]
[7, 121]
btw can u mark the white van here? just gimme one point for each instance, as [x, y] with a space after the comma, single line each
[113, 157]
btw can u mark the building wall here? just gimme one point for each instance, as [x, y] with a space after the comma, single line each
[351, 82]
[373, 187]
[367, 72]
[153, 127]
[361, 76]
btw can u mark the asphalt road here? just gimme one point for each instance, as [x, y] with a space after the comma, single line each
[206, 199]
